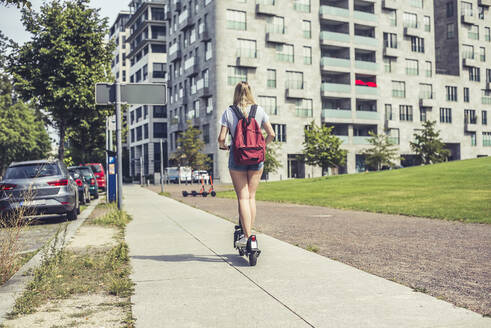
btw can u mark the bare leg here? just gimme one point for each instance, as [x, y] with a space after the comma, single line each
[253, 178]
[239, 179]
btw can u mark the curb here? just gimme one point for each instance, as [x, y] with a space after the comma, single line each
[16, 285]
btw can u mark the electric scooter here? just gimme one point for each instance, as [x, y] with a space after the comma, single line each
[251, 250]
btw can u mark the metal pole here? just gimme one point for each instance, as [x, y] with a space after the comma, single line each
[141, 169]
[119, 145]
[107, 159]
[161, 166]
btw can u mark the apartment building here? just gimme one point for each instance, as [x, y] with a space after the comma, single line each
[357, 65]
[147, 59]
[119, 33]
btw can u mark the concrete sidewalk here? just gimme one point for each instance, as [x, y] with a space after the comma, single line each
[187, 274]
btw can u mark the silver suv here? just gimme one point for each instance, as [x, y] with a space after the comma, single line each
[44, 187]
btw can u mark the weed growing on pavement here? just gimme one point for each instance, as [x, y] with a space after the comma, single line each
[113, 217]
[166, 194]
[312, 248]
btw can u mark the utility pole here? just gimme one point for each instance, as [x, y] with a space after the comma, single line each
[119, 145]
[141, 169]
[107, 157]
[161, 165]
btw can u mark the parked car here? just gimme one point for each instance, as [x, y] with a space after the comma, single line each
[53, 189]
[99, 173]
[83, 185]
[172, 174]
[200, 174]
[86, 171]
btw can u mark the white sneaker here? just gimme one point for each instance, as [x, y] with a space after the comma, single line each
[242, 242]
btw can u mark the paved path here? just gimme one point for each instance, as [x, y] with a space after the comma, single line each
[187, 274]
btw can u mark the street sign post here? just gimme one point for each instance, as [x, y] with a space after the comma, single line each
[132, 94]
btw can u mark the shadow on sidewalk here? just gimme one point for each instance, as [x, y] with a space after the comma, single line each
[232, 259]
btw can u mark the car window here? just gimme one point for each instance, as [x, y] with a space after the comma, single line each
[86, 172]
[31, 171]
[96, 168]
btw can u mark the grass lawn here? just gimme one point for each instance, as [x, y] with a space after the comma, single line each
[459, 190]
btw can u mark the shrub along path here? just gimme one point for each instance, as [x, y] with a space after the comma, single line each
[446, 259]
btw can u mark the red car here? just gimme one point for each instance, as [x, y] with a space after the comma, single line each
[98, 170]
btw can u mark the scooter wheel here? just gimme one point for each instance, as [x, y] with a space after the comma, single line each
[204, 194]
[185, 193]
[213, 193]
[194, 193]
[241, 252]
[253, 258]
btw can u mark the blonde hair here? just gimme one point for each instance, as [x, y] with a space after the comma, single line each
[243, 95]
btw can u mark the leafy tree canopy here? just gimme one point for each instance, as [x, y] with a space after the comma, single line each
[382, 152]
[428, 145]
[58, 68]
[18, 3]
[271, 162]
[189, 149]
[321, 148]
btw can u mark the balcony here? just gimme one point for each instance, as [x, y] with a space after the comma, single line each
[277, 38]
[328, 62]
[469, 62]
[326, 12]
[366, 41]
[468, 19]
[344, 139]
[176, 55]
[266, 9]
[367, 115]
[191, 67]
[363, 90]
[206, 36]
[244, 61]
[411, 31]
[487, 86]
[468, 127]
[485, 3]
[178, 6]
[361, 140]
[390, 4]
[327, 36]
[427, 102]
[185, 20]
[365, 65]
[336, 113]
[327, 88]
[364, 16]
[391, 52]
[295, 93]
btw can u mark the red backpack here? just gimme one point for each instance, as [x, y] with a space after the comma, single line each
[249, 144]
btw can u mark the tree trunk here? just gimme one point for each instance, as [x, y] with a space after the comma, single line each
[61, 148]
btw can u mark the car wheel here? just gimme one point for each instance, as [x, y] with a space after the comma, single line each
[96, 196]
[72, 215]
[78, 209]
[88, 198]
[82, 200]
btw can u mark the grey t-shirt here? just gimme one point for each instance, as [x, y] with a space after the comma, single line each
[230, 120]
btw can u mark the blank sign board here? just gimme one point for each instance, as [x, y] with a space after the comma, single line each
[132, 93]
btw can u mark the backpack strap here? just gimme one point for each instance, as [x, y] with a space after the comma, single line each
[252, 112]
[237, 112]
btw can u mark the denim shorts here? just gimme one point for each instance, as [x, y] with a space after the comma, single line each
[236, 167]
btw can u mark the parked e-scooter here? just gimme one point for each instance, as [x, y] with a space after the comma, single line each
[251, 250]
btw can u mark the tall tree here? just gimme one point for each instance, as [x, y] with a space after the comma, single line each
[382, 152]
[23, 135]
[321, 148]
[58, 68]
[271, 162]
[18, 3]
[189, 149]
[428, 145]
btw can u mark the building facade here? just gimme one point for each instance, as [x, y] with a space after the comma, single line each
[360, 66]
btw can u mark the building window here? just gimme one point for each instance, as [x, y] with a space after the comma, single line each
[416, 3]
[427, 22]
[466, 8]
[486, 139]
[159, 111]
[206, 78]
[473, 32]
[307, 55]
[473, 139]
[417, 44]
[488, 75]
[268, 104]
[280, 132]
[236, 75]
[470, 116]
[276, 24]
[160, 130]
[428, 70]
[410, 20]
[302, 5]
[196, 109]
[398, 89]
[474, 74]
[246, 48]
[388, 112]
[132, 135]
[209, 105]
[484, 117]
[158, 48]
[450, 9]
[304, 108]
[132, 116]
[445, 115]
[487, 34]
[236, 20]
[138, 114]
[307, 30]
[467, 51]
[405, 113]
[450, 31]
[412, 67]
[159, 71]
[466, 94]
[422, 114]
[284, 53]
[482, 54]
[139, 133]
[392, 18]
[206, 133]
[271, 82]
[145, 131]
[294, 80]
[145, 112]
[451, 93]
[425, 91]
[390, 40]
[388, 64]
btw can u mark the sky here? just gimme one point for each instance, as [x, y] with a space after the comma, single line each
[11, 25]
